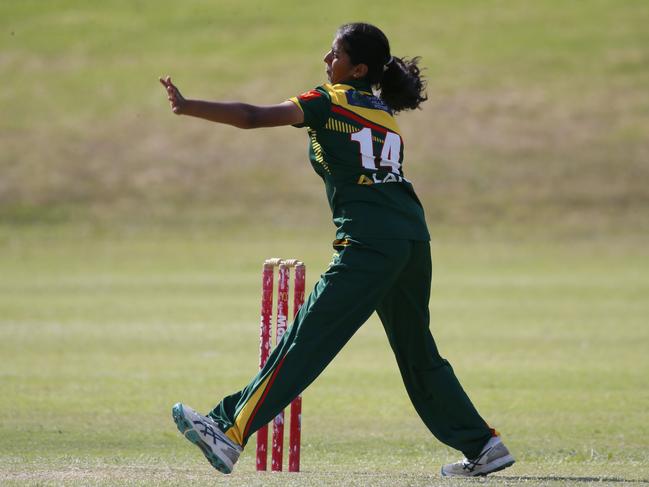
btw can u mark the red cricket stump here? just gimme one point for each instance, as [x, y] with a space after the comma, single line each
[283, 279]
[264, 351]
[282, 315]
[296, 405]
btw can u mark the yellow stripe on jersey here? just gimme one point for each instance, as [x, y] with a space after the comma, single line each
[338, 126]
[317, 150]
[379, 117]
[346, 128]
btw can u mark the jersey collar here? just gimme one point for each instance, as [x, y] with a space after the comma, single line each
[360, 85]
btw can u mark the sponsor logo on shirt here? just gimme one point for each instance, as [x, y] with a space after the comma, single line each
[380, 178]
[363, 100]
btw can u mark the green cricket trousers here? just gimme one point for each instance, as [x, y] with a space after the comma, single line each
[393, 278]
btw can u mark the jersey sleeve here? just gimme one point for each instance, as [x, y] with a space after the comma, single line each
[316, 105]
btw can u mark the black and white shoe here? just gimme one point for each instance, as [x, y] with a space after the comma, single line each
[494, 457]
[203, 432]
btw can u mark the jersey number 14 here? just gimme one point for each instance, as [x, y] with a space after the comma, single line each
[389, 153]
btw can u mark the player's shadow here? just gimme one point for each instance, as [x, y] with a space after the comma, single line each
[526, 478]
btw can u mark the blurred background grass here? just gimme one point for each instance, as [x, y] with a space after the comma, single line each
[538, 113]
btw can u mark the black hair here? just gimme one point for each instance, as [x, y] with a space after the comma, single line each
[398, 80]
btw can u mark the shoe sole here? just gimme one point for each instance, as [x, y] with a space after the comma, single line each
[500, 464]
[187, 430]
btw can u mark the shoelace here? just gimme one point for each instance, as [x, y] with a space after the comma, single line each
[470, 465]
[207, 430]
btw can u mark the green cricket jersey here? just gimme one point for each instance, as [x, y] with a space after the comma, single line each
[357, 149]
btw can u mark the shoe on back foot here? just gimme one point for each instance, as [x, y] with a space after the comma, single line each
[494, 457]
[203, 432]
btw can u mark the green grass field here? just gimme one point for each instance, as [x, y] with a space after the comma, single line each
[101, 334]
[131, 240]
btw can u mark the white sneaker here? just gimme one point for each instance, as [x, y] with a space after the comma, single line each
[493, 457]
[203, 432]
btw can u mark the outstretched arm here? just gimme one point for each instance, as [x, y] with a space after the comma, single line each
[240, 115]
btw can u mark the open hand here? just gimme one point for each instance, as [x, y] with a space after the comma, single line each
[176, 100]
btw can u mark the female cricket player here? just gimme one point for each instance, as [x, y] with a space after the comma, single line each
[382, 262]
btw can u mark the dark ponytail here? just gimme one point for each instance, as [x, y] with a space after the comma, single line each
[398, 80]
[402, 86]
